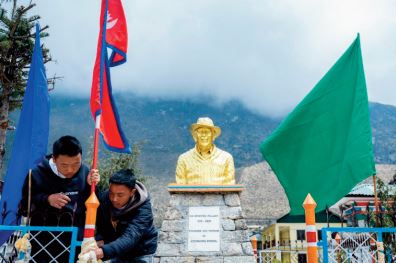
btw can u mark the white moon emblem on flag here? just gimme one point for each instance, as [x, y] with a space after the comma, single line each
[110, 21]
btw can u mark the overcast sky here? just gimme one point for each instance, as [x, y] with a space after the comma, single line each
[267, 54]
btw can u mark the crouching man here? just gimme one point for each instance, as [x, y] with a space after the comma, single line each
[125, 230]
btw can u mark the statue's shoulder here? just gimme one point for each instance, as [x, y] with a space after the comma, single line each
[187, 154]
[223, 153]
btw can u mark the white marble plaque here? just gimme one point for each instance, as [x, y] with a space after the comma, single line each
[204, 228]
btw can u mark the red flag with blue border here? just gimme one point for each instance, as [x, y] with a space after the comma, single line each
[113, 37]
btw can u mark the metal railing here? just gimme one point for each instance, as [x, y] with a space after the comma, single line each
[65, 238]
[354, 244]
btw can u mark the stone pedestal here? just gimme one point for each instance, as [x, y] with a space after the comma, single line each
[185, 215]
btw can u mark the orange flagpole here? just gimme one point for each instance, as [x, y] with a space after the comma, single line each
[92, 202]
[253, 239]
[312, 249]
[92, 205]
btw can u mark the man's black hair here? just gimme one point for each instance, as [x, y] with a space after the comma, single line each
[125, 177]
[66, 145]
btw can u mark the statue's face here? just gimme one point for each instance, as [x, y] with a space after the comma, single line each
[204, 137]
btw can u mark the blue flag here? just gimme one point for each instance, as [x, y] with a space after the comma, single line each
[31, 138]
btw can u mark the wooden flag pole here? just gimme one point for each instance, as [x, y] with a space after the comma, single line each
[95, 149]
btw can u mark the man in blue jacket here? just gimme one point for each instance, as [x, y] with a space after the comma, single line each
[125, 230]
[59, 187]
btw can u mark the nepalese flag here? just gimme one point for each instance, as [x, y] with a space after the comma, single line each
[113, 36]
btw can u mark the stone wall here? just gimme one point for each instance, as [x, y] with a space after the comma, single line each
[235, 245]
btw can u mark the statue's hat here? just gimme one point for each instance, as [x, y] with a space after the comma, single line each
[207, 123]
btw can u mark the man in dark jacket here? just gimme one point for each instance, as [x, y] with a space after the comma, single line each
[125, 230]
[60, 185]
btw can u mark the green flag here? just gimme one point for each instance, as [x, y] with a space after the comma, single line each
[323, 147]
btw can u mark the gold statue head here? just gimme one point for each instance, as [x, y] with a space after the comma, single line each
[205, 122]
[204, 133]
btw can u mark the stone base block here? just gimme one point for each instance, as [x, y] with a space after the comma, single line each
[234, 243]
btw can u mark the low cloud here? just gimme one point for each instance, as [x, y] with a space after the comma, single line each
[267, 54]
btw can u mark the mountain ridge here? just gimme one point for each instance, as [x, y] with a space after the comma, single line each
[161, 128]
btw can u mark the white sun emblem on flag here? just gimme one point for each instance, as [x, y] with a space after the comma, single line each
[110, 21]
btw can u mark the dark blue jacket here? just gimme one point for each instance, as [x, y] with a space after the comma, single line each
[134, 234]
[45, 183]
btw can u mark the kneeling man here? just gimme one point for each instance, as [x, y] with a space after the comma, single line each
[125, 230]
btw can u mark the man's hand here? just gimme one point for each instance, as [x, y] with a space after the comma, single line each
[58, 200]
[100, 243]
[93, 176]
[99, 253]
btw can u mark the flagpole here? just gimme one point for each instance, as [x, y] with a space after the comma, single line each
[101, 101]
[92, 205]
[101, 76]
[375, 200]
[92, 202]
[95, 149]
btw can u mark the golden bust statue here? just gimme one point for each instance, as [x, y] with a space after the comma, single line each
[205, 163]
